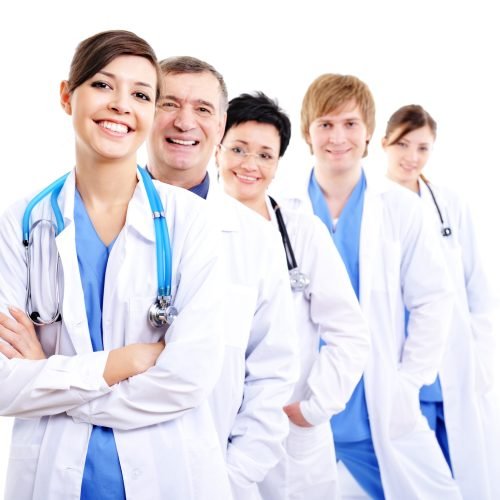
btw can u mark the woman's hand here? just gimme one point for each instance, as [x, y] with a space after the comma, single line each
[131, 360]
[20, 335]
[295, 415]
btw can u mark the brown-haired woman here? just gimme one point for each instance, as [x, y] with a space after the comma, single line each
[105, 410]
[459, 401]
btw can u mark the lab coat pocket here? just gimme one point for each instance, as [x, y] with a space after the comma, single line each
[405, 413]
[311, 466]
[239, 309]
[137, 326]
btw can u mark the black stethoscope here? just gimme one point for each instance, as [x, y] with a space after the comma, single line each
[298, 280]
[445, 230]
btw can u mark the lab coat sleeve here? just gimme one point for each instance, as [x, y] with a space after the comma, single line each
[189, 366]
[260, 427]
[44, 387]
[427, 294]
[480, 298]
[335, 309]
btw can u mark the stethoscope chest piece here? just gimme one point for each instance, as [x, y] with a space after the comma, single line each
[446, 231]
[298, 281]
[161, 313]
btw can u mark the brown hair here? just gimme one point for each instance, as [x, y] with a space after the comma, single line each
[330, 92]
[186, 64]
[97, 51]
[409, 118]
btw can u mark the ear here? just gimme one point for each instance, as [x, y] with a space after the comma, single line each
[65, 96]
[384, 143]
[217, 150]
[222, 126]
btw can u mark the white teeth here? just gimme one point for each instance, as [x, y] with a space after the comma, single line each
[246, 177]
[115, 127]
[183, 143]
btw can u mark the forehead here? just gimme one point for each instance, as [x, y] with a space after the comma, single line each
[255, 133]
[192, 87]
[133, 68]
[348, 110]
[422, 135]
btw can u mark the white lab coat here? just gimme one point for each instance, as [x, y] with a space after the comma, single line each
[400, 264]
[468, 368]
[261, 360]
[164, 432]
[329, 310]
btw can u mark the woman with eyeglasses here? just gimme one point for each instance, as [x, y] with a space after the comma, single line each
[256, 136]
[460, 401]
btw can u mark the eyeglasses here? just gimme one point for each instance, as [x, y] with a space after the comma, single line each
[262, 159]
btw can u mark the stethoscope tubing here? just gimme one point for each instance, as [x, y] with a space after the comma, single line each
[445, 230]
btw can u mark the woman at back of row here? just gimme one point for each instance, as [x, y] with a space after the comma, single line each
[459, 405]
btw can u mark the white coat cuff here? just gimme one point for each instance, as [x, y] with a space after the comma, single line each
[313, 417]
[84, 372]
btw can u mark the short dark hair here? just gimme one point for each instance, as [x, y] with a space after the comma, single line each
[409, 118]
[97, 51]
[259, 108]
[186, 64]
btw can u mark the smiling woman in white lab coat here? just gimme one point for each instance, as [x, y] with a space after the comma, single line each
[459, 401]
[109, 406]
[256, 136]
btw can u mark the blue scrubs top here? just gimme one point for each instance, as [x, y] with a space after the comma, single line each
[102, 476]
[352, 424]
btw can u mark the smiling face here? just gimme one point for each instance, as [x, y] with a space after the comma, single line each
[112, 111]
[338, 139]
[408, 156]
[189, 124]
[248, 160]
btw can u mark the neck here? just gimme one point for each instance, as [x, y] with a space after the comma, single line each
[108, 183]
[186, 179]
[337, 187]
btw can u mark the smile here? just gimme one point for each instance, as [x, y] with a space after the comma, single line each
[118, 128]
[246, 178]
[180, 142]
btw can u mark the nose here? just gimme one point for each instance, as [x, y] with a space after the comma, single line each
[249, 162]
[337, 135]
[120, 103]
[412, 154]
[184, 120]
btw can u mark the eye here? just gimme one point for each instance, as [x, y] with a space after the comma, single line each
[266, 157]
[402, 144]
[424, 148]
[168, 105]
[142, 96]
[350, 124]
[100, 85]
[324, 125]
[238, 151]
[204, 110]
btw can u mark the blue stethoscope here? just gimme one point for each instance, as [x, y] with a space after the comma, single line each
[161, 312]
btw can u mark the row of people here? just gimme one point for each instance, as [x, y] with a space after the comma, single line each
[258, 383]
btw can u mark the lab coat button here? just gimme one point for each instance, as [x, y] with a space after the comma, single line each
[136, 473]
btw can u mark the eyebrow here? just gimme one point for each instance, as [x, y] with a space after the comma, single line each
[171, 97]
[111, 75]
[246, 144]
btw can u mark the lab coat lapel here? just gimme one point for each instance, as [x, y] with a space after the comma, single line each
[73, 307]
[369, 243]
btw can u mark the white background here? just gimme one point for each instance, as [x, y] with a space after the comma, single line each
[443, 55]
